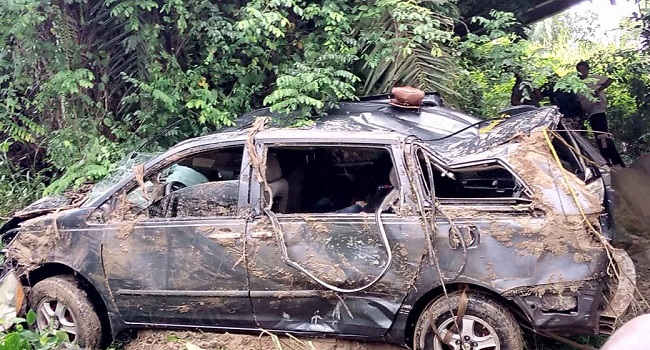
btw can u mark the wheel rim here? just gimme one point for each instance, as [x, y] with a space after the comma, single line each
[477, 334]
[54, 315]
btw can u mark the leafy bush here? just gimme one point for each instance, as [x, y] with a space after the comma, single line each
[82, 82]
[488, 63]
[21, 338]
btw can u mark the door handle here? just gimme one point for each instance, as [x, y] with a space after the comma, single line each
[261, 234]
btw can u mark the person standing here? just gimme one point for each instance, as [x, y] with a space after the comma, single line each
[596, 113]
[567, 102]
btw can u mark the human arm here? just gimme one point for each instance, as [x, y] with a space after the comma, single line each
[606, 82]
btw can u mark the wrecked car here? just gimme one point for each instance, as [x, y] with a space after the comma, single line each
[425, 227]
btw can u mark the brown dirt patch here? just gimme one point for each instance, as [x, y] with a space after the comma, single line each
[632, 217]
[177, 340]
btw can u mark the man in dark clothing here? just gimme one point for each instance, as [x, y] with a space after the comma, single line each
[595, 111]
[567, 102]
[522, 94]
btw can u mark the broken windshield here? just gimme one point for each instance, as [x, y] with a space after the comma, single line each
[122, 169]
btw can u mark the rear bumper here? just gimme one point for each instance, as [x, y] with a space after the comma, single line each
[591, 307]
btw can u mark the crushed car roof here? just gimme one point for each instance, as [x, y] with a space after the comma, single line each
[450, 134]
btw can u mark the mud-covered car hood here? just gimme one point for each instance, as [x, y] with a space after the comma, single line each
[44, 205]
[40, 207]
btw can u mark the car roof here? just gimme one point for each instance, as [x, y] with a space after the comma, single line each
[429, 120]
[450, 134]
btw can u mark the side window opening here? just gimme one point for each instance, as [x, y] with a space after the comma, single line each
[487, 181]
[328, 179]
[201, 185]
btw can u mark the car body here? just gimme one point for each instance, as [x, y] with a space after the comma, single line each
[352, 227]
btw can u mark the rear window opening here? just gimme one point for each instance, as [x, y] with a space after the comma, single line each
[328, 179]
[472, 184]
[490, 181]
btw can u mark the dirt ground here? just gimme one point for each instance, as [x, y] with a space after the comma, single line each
[632, 213]
[632, 216]
[177, 340]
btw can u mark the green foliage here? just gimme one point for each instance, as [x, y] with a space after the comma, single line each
[21, 338]
[549, 54]
[491, 60]
[82, 82]
[18, 186]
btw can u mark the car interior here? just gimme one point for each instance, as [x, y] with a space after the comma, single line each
[318, 179]
[218, 165]
[485, 181]
[205, 184]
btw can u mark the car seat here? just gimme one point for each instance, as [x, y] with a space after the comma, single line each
[382, 192]
[296, 182]
[279, 185]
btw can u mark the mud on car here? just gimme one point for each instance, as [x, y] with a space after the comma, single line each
[426, 228]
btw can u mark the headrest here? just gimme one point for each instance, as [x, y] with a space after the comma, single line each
[273, 170]
[393, 178]
[186, 175]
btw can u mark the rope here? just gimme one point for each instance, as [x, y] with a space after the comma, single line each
[608, 247]
[575, 150]
[427, 224]
[139, 178]
[259, 165]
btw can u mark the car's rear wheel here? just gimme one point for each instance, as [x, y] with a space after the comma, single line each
[486, 325]
[60, 304]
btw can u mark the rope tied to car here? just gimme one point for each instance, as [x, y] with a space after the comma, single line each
[457, 327]
[258, 164]
[609, 250]
[260, 170]
[138, 171]
[413, 152]
[428, 222]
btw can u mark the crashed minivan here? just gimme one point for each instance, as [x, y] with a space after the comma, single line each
[422, 227]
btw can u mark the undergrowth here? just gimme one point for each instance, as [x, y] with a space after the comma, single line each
[19, 337]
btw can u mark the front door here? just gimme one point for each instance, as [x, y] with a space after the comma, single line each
[184, 271]
[181, 260]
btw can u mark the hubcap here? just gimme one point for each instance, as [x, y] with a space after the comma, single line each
[475, 335]
[55, 315]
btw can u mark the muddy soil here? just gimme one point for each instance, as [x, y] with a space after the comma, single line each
[632, 216]
[177, 340]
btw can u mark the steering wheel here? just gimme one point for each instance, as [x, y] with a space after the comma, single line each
[173, 186]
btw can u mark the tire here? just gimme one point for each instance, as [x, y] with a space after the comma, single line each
[60, 304]
[488, 325]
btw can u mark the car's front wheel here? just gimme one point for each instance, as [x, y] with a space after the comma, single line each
[486, 325]
[60, 304]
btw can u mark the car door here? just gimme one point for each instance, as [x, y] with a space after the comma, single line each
[182, 263]
[330, 272]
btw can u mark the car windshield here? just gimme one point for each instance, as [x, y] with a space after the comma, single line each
[122, 169]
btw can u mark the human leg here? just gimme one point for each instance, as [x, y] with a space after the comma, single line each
[605, 144]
